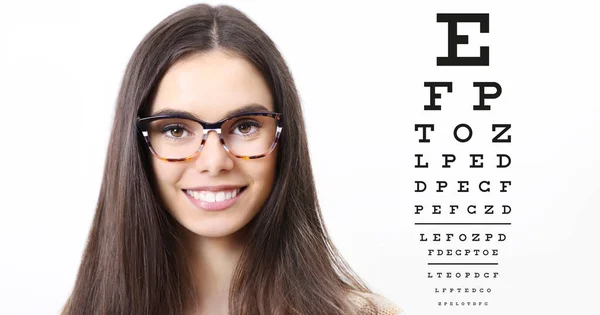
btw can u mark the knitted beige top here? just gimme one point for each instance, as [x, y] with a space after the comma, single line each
[379, 305]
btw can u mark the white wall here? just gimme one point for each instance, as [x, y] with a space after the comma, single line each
[360, 69]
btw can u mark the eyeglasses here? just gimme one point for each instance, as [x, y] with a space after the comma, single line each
[181, 137]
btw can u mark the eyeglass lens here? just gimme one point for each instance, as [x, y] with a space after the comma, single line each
[244, 135]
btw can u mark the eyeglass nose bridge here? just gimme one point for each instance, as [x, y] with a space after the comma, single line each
[205, 132]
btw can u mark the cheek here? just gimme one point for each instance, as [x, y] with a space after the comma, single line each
[166, 174]
[263, 173]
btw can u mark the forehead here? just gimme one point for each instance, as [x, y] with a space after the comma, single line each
[210, 85]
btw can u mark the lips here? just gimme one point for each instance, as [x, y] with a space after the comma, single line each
[215, 188]
[214, 195]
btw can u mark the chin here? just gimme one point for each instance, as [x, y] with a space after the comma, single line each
[221, 225]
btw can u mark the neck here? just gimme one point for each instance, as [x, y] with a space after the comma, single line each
[212, 261]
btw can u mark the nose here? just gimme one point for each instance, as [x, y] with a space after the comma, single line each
[213, 157]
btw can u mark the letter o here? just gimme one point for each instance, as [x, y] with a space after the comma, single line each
[456, 133]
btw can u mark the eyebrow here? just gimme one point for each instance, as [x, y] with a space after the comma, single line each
[252, 107]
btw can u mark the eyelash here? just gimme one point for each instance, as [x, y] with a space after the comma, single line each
[252, 123]
[168, 128]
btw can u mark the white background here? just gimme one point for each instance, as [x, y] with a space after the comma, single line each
[360, 69]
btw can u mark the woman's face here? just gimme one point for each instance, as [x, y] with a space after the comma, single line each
[210, 85]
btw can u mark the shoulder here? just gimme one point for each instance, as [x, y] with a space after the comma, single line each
[373, 304]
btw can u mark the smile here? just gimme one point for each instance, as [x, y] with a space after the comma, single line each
[213, 196]
[214, 200]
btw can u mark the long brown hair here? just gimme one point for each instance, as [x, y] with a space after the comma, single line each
[134, 260]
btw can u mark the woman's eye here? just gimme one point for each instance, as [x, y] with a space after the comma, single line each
[175, 132]
[246, 127]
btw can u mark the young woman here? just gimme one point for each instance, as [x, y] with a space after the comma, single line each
[207, 203]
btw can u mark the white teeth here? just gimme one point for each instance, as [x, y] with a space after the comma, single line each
[210, 196]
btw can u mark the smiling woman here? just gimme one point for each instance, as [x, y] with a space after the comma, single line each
[213, 85]
[208, 203]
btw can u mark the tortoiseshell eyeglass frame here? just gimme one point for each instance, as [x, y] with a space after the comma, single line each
[142, 124]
